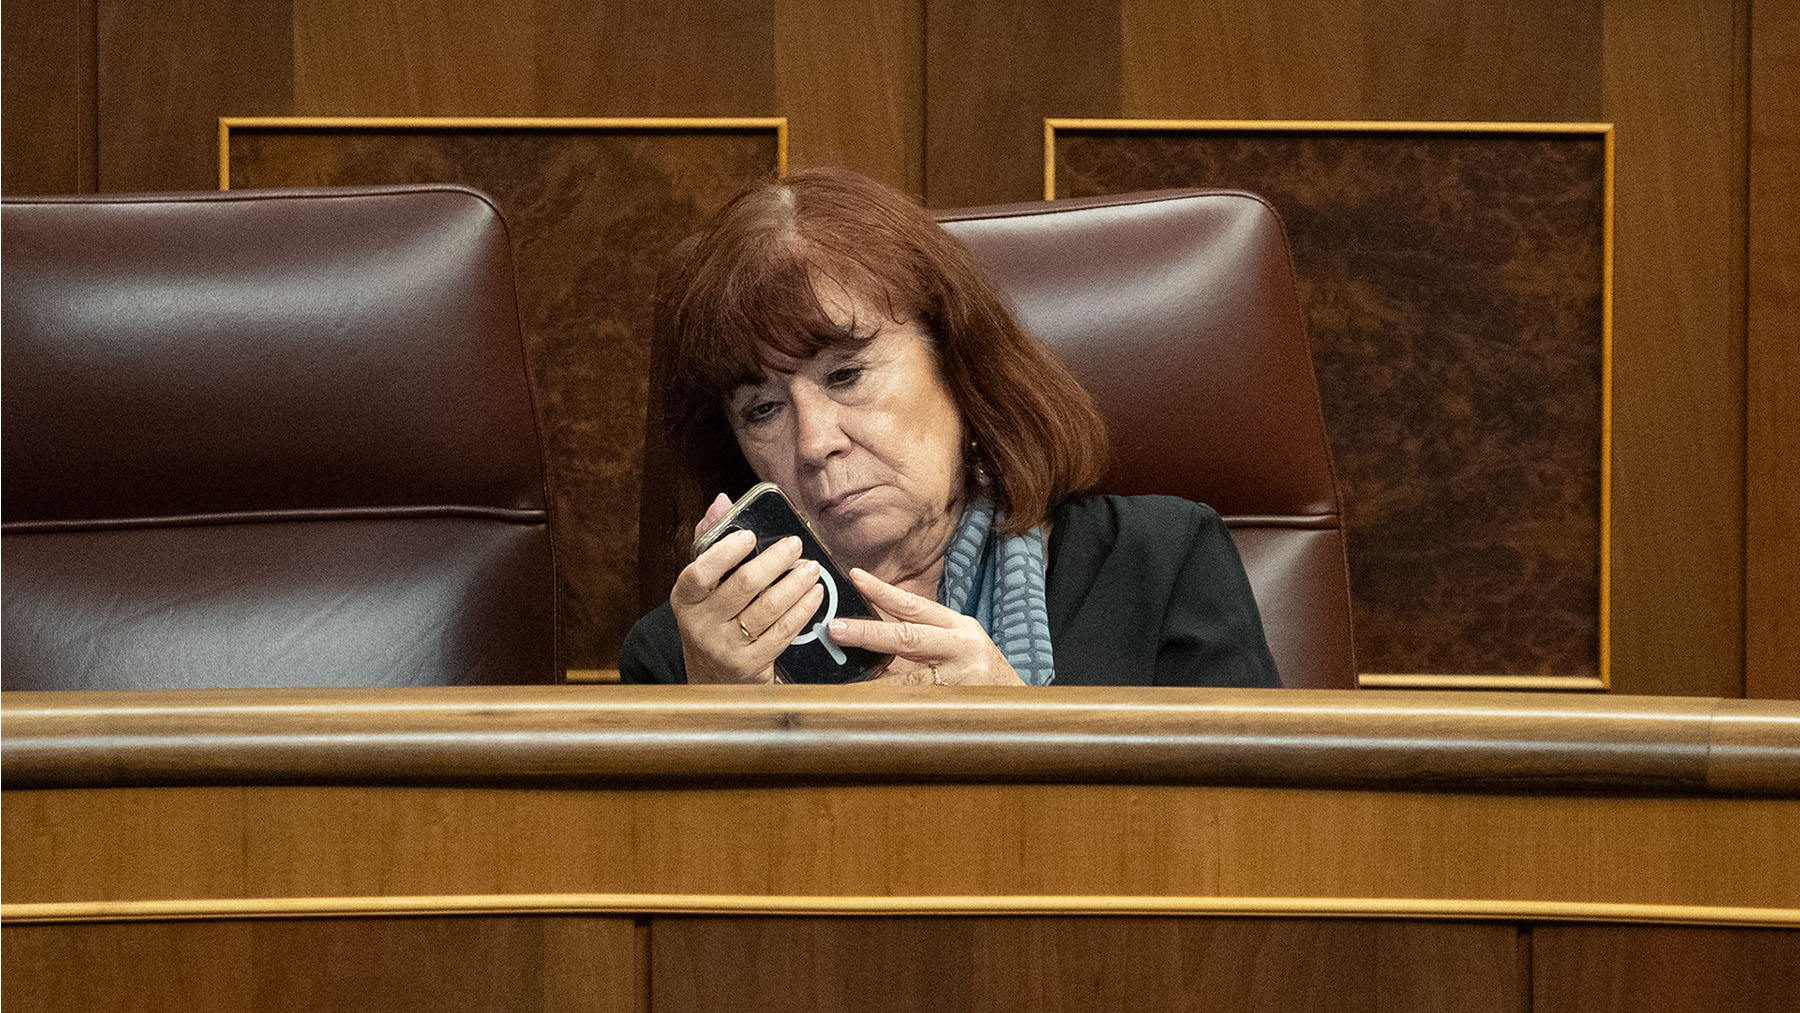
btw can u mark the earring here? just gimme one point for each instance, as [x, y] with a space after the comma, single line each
[977, 473]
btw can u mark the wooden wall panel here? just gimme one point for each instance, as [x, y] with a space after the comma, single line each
[947, 99]
[385, 58]
[47, 117]
[167, 72]
[850, 78]
[692, 58]
[1772, 489]
[896, 840]
[1628, 968]
[1672, 88]
[1457, 60]
[1241, 60]
[993, 72]
[1082, 964]
[1453, 286]
[427, 964]
[1388, 59]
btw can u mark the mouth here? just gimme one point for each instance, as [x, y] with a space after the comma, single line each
[841, 502]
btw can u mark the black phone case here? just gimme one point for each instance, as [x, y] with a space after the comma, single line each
[812, 658]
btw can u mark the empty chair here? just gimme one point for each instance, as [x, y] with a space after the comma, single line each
[269, 438]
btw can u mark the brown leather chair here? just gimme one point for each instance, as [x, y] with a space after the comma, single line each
[269, 438]
[1179, 311]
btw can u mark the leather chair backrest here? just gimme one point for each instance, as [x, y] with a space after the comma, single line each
[1179, 312]
[269, 438]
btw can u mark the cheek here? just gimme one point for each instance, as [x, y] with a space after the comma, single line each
[760, 455]
[938, 445]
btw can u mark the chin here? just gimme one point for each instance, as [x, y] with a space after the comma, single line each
[858, 541]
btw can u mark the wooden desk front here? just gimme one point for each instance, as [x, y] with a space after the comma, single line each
[628, 848]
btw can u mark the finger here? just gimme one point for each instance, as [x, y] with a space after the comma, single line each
[780, 596]
[700, 578]
[754, 577]
[719, 508]
[789, 625]
[917, 641]
[901, 604]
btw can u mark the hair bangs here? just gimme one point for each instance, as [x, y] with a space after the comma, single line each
[779, 302]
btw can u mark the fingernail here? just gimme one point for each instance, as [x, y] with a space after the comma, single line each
[838, 626]
[791, 543]
[810, 566]
[743, 535]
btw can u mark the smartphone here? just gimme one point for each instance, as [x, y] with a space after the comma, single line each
[813, 656]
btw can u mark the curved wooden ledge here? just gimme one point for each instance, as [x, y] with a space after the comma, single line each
[572, 735]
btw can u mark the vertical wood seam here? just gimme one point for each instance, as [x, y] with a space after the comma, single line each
[1740, 315]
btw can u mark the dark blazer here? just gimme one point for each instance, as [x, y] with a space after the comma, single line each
[1142, 591]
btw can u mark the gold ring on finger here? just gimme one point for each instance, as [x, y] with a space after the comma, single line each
[749, 638]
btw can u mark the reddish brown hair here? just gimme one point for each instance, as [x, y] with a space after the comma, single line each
[748, 285]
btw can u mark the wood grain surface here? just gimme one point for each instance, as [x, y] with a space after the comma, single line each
[1614, 967]
[84, 846]
[1772, 488]
[165, 76]
[382, 58]
[140, 86]
[425, 964]
[693, 58]
[834, 791]
[851, 78]
[1453, 285]
[1672, 89]
[993, 71]
[1383, 59]
[1092, 964]
[657, 847]
[1240, 60]
[656, 734]
[49, 135]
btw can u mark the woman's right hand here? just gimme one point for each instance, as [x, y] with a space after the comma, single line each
[733, 627]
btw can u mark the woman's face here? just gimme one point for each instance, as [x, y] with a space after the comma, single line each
[865, 439]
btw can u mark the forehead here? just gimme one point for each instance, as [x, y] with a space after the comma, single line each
[778, 363]
[851, 320]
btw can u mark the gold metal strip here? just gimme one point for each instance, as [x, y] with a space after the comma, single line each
[522, 122]
[1388, 680]
[1606, 421]
[590, 676]
[740, 904]
[778, 123]
[1372, 126]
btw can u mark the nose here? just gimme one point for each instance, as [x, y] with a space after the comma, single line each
[818, 431]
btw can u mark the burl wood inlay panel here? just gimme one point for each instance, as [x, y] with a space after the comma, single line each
[592, 213]
[1453, 287]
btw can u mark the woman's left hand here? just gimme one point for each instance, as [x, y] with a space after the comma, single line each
[930, 643]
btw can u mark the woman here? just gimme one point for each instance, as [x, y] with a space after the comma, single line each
[826, 335]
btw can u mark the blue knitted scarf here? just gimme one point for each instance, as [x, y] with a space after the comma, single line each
[1000, 581]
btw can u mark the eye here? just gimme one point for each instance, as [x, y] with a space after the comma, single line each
[757, 412]
[845, 376]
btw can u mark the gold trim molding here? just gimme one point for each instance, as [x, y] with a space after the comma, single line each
[1605, 132]
[1550, 683]
[631, 904]
[227, 123]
